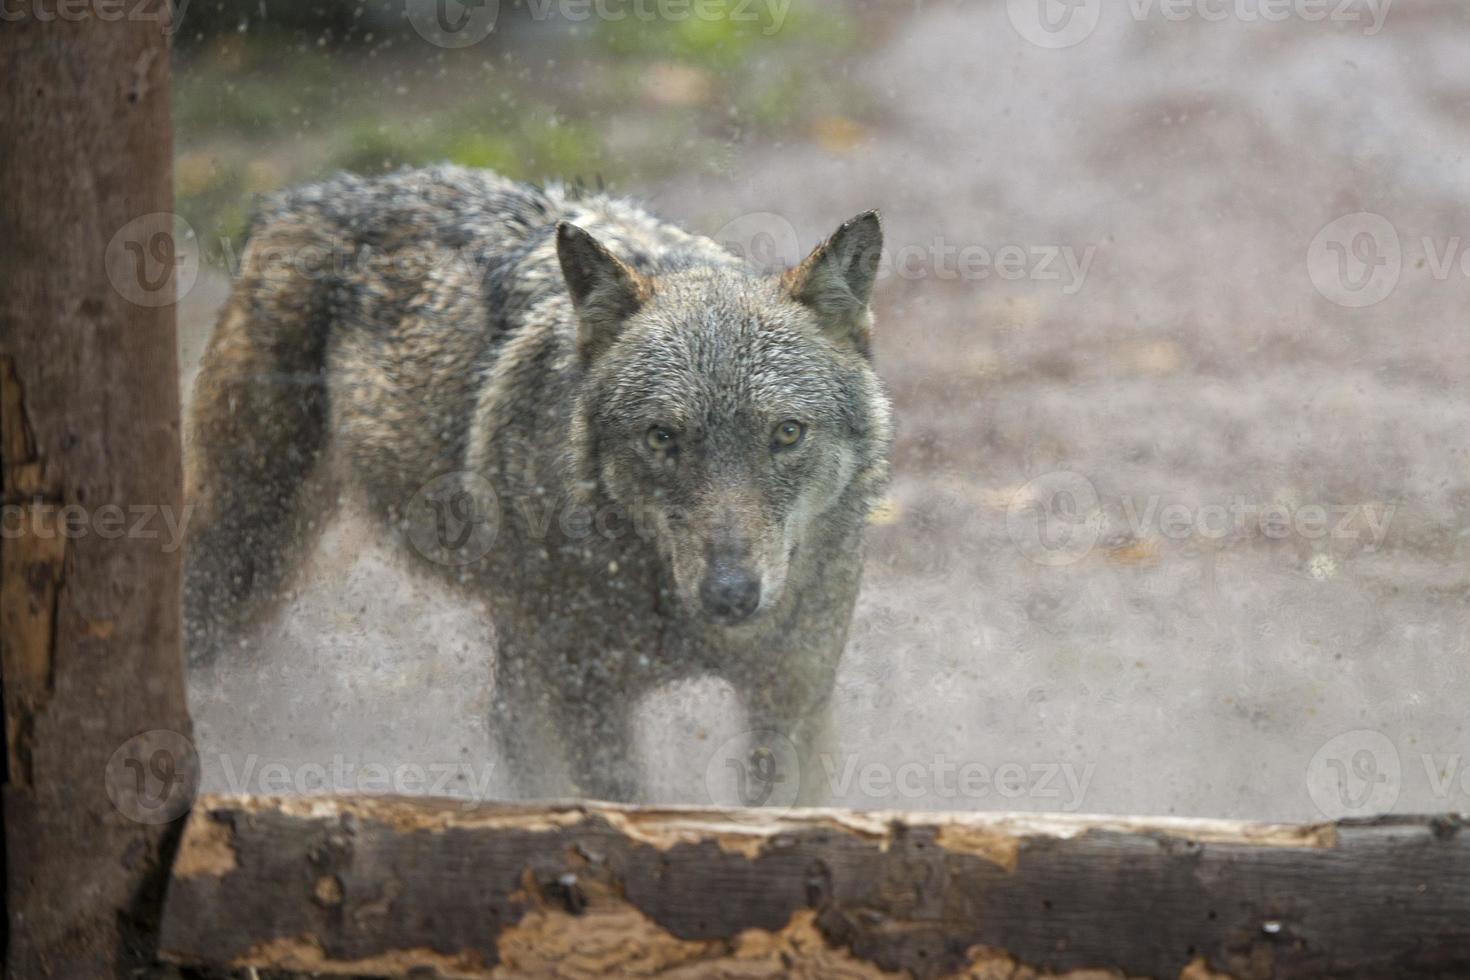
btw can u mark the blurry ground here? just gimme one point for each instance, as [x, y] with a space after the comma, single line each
[1028, 607]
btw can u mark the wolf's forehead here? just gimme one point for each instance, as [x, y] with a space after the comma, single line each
[693, 374]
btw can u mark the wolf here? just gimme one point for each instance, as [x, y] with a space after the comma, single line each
[651, 459]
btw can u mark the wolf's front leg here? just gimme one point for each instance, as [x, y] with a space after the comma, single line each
[530, 748]
[802, 715]
[595, 721]
[564, 732]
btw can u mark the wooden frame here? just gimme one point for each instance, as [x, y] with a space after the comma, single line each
[387, 886]
[93, 695]
[89, 419]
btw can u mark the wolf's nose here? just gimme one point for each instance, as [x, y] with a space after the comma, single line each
[730, 593]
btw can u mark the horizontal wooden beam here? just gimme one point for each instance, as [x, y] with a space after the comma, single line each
[390, 886]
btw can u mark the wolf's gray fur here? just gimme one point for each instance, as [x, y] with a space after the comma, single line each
[666, 456]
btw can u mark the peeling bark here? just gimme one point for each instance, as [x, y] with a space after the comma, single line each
[210, 850]
[31, 564]
[387, 886]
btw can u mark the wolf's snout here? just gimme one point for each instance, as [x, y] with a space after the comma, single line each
[730, 592]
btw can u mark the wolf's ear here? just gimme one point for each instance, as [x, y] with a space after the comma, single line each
[836, 280]
[605, 291]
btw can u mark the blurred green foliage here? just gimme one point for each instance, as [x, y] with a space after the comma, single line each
[726, 33]
[266, 96]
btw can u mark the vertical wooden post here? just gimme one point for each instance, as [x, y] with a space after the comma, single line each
[89, 450]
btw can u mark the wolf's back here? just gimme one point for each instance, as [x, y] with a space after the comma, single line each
[369, 313]
[334, 275]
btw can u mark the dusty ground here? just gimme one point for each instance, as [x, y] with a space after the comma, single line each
[1053, 594]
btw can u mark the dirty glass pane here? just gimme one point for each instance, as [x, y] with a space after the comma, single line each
[1015, 405]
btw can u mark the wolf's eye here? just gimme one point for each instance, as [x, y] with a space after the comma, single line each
[787, 434]
[659, 439]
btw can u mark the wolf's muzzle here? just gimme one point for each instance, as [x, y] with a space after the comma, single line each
[730, 592]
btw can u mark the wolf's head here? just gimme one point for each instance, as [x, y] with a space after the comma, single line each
[738, 412]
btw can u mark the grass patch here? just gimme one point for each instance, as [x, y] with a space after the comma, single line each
[530, 145]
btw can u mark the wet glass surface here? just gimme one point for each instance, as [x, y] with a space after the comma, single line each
[1170, 312]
